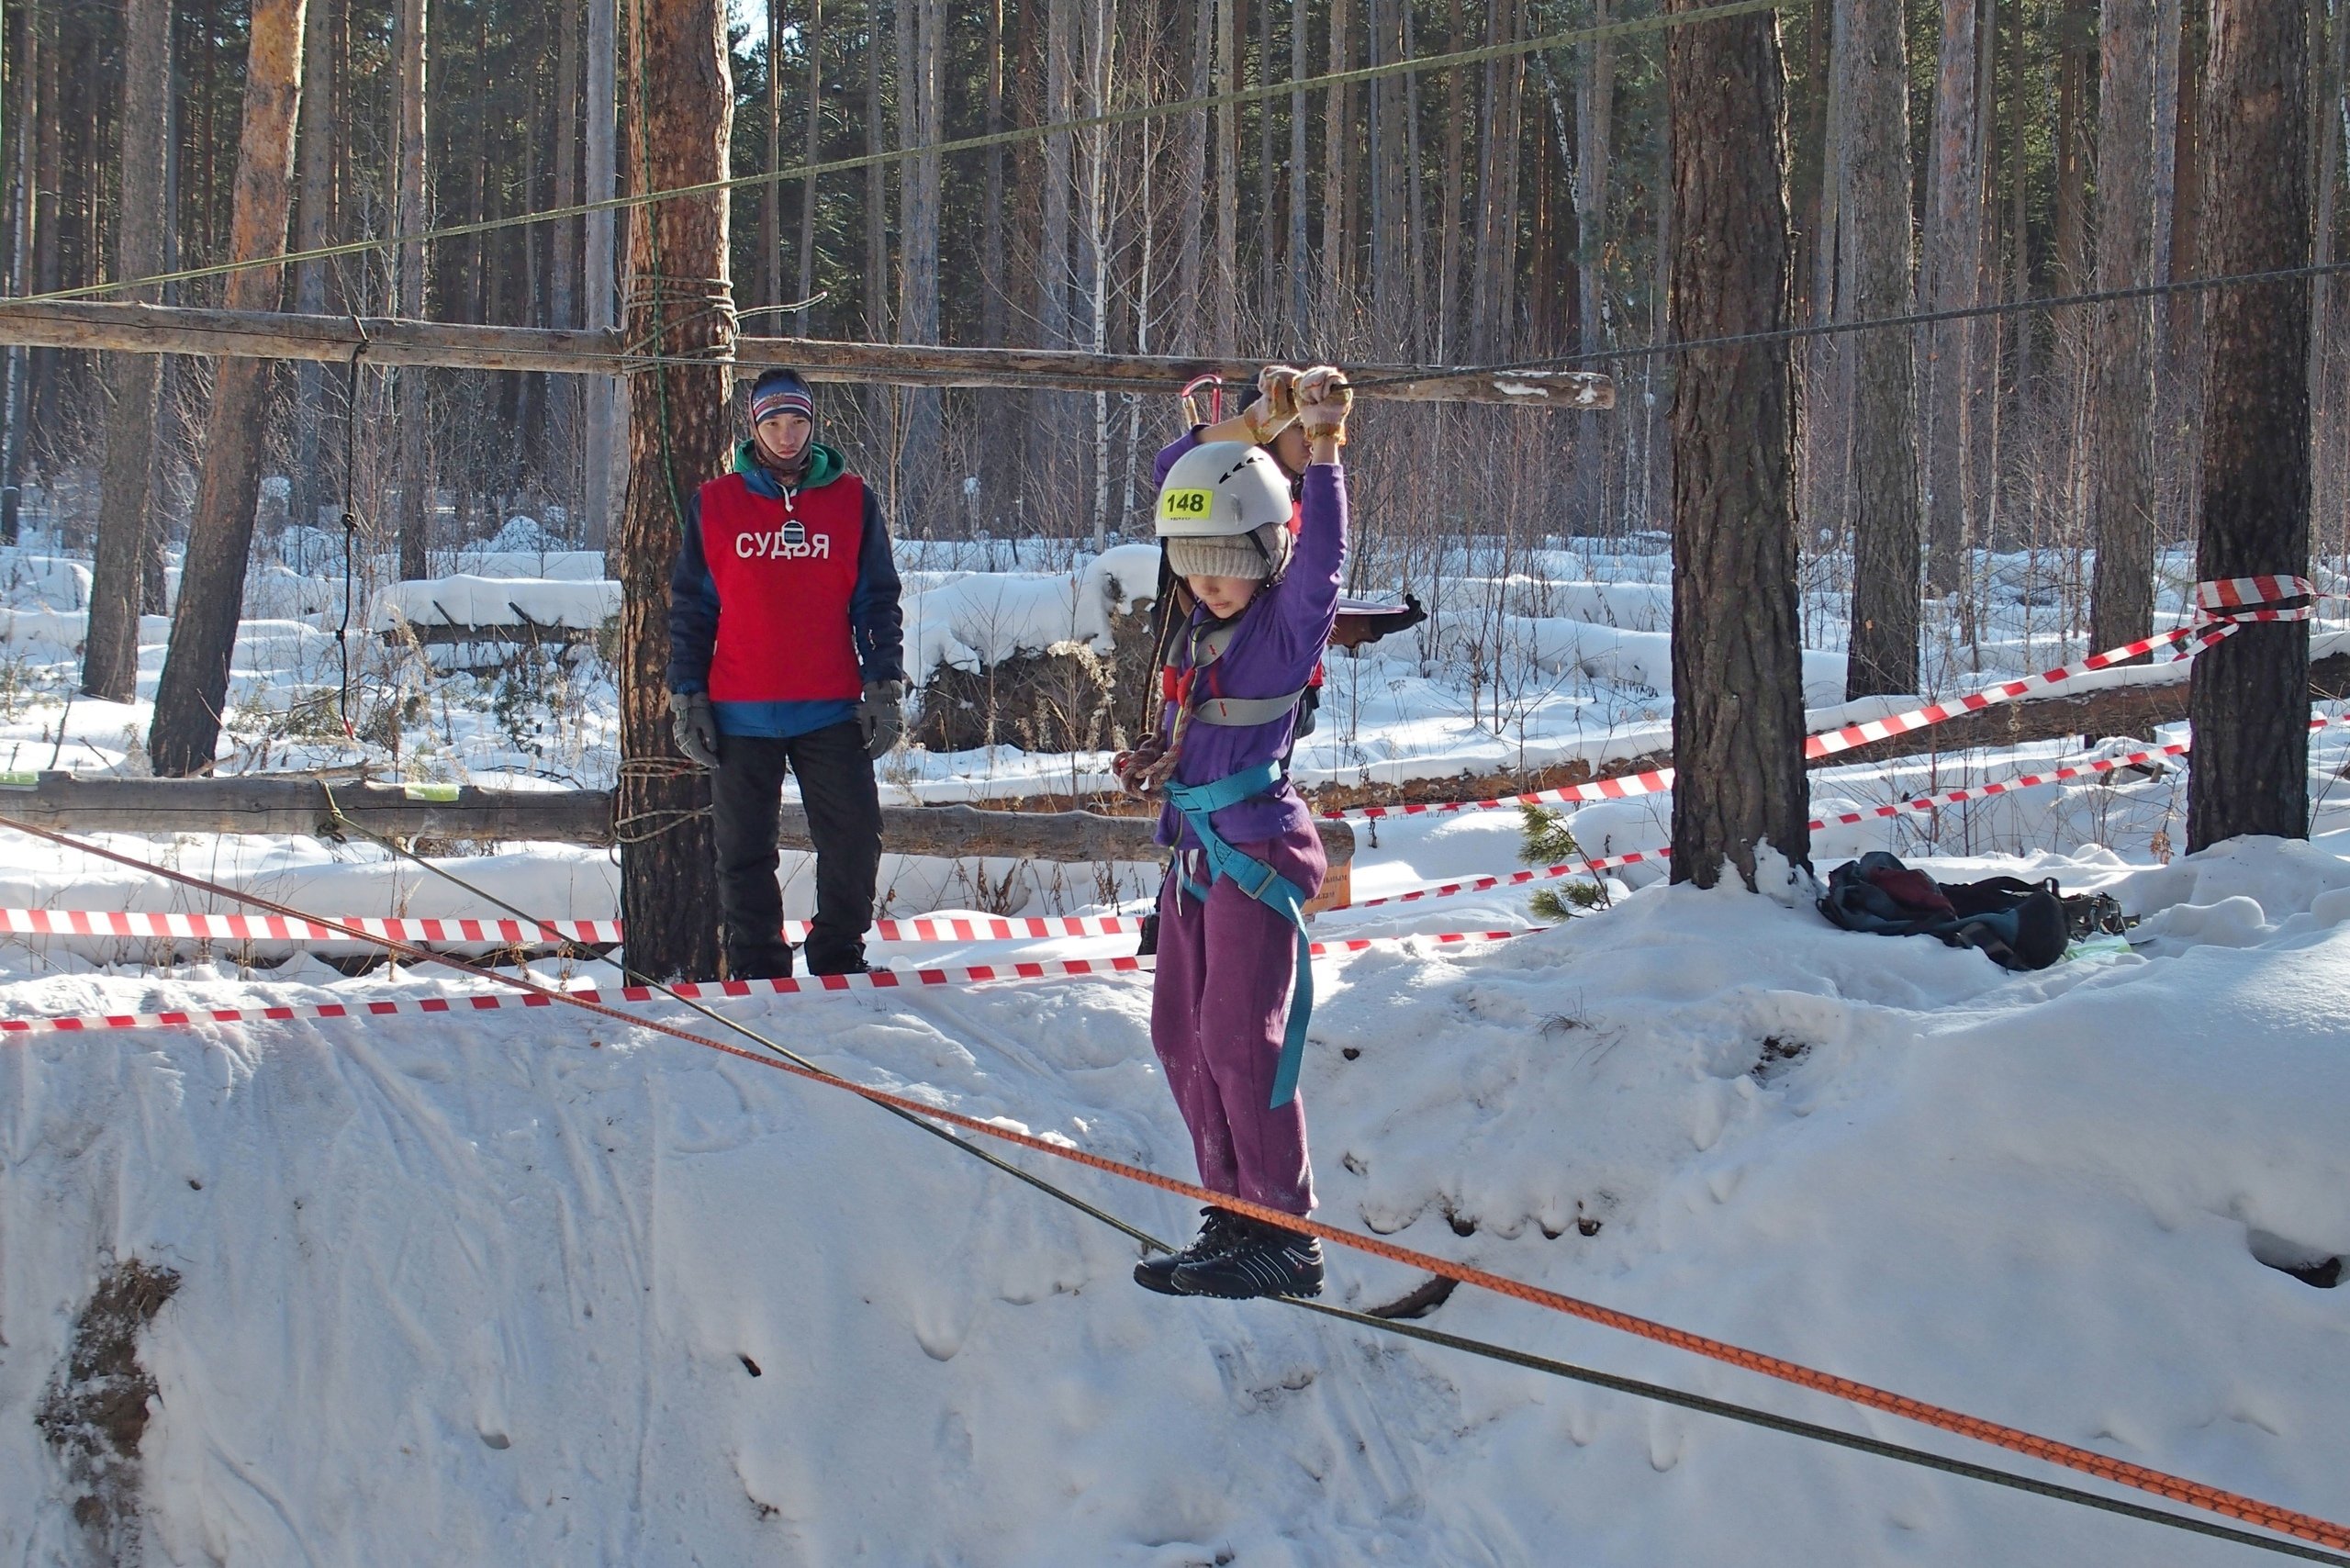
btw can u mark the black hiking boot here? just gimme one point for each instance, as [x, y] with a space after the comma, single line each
[835, 959]
[759, 963]
[1219, 1231]
[1266, 1261]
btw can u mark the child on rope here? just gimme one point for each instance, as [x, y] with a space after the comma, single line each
[1231, 923]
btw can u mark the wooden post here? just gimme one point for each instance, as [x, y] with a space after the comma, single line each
[194, 690]
[1738, 713]
[680, 428]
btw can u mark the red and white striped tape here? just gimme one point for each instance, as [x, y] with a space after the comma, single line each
[1915, 803]
[451, 931]
[279, 928]
[488, 1002]
[2222, 607]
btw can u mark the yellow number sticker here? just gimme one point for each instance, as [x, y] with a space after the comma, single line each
[1186, 503]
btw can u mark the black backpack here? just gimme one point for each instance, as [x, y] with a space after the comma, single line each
[2018, 924]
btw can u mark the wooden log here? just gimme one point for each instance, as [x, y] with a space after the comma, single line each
[297, 804]
[258, 335]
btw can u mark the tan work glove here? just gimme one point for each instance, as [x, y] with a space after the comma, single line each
[1324, 400]
[1270, 414]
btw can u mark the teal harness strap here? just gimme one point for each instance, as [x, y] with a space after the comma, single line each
[1197, 803]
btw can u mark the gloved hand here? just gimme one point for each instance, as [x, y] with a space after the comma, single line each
[1270, 414]
[694, 723]
[881, 716]
[1138, 770]
[1324, 400]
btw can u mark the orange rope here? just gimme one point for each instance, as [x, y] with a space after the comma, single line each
[2178, 1489]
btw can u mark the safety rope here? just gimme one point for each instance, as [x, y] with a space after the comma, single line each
[2041, 303]
[569, 949]
[631, 828]
[2229, 1505]
[1263, 92]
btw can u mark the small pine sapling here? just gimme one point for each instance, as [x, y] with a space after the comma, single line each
[1547, 841]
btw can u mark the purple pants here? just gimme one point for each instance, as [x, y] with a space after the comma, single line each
[1217, 1009]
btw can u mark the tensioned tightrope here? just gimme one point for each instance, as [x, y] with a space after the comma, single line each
[1890, 323]
[1135, 114]
[2288, 1522]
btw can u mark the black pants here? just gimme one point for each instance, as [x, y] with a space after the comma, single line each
[843, 819]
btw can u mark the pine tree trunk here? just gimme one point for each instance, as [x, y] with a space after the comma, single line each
[1874, 208]
[992, 297]
[1338, 172]
[313, 228]
[110, 656]
[2249, 702]
[603, 433]
[1736, 662]
[2330, 396]
[1448, 262]
[920, 103]
[1300, 248]
[22, 210]
[2121, 387]
[562, 295]
[876, 282]
[1053, 237]
[1188, 314]
[1224, 269]
[1595, 138]
[814, 108]
[767, 279]
[1413, 197]
[410, 213]
[1496, 179]
[1954, 262]
[679, 433]
[1269, 176]
[192, 693]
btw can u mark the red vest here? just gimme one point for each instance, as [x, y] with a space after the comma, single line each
[785, 571]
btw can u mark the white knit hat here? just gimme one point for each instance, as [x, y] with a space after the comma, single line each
[1262, 552]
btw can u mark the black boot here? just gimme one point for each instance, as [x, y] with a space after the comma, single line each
[1219, 1229]
[770, 962]
[1267, 1259]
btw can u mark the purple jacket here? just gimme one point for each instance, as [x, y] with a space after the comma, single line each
[1281, 637]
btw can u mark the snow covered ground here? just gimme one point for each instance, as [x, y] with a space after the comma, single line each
[526, 1285]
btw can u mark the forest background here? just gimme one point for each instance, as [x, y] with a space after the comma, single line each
[1515, 210]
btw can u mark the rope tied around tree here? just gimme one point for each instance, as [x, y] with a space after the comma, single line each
[654, 770]
[656, 294]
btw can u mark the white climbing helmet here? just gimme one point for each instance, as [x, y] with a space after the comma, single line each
[1221, 489]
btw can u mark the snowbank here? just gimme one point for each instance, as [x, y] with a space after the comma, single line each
[539, 1288]
[466, 601]
[968, 620]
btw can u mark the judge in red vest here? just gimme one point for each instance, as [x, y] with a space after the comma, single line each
[786, 652]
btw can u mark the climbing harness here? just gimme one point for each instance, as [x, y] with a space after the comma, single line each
[1198, 804]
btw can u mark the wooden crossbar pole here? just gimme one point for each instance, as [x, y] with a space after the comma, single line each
[386, 341]
[281, 803]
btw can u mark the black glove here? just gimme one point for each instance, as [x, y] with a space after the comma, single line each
[880, 716]
[694, 723]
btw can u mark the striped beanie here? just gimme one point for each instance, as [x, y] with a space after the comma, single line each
[781, 392]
